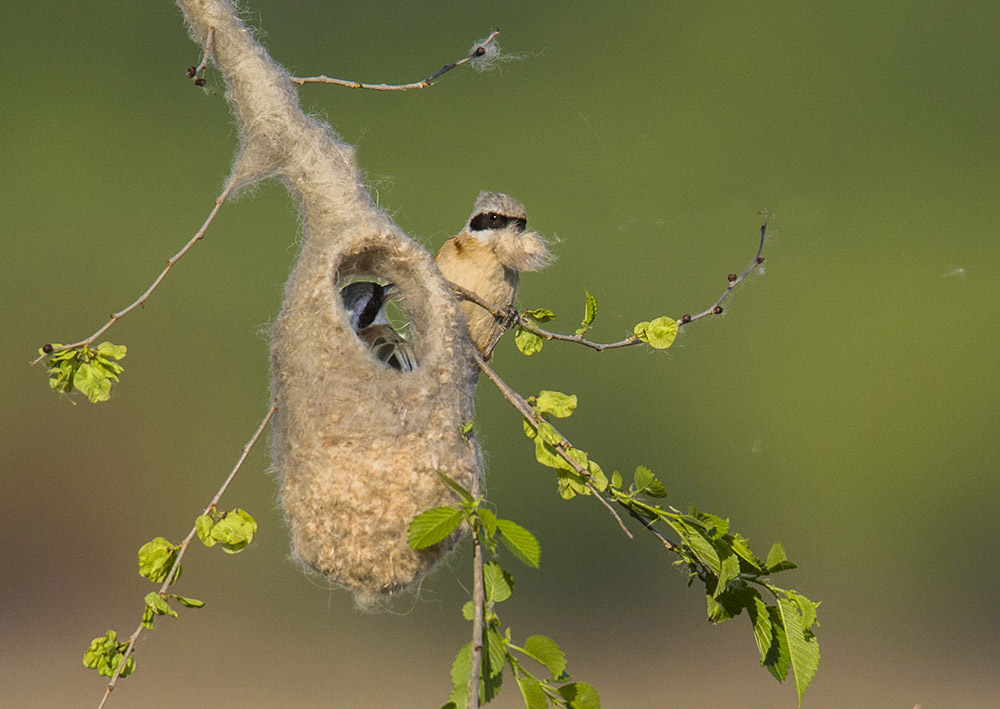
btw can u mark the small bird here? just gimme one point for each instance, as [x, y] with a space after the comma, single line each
[365, 304]
[486, 257]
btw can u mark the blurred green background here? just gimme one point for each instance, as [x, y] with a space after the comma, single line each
[846, 403]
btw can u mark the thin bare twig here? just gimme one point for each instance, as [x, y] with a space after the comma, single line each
[184, 545]
[562, 447]
[478, 612]
[141, 300]
[195, 72]
[478, 51]
[524, 322]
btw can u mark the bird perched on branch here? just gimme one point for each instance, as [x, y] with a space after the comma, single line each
[486, 257]
[365, 304]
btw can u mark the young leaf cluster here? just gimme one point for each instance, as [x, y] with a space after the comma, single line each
[106, 653]
[577, 473]
[233, 530]
[539, 690]
[734, 579]
[529, 342]
[158, 560]
[88, 370]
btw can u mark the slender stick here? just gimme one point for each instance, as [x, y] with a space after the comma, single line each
[141, 300]
[562, 447]
[479, 51]
[478, 603]
[524, 322]
[184, 545]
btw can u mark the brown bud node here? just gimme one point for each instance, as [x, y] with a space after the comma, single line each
[47, 349]
[686, 317]
[717, 310]
[480, 51]
[199, 82]
[191, 71]
[731, 277]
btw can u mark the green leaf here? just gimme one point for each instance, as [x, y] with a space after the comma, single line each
[460, 676]
[742, 548]
[803, 648]
[520, 541]
[571, 484]
[203, 526]
[189, 602]
[659, 333]
[547, 432]
[763, 634]
[108, 349]
[547, 456]
[93, 382]
[778, 659]
[158, 604]
[589, 314]
[580, 695]
[528, 342]
[532, 693]
[155, 559]
[105, 655]
[776, 560]
[465, 430]
[556, 403]
[457, 487]
[495, 653]
[643, 478]
[433, 525]
[469, 610]
[730, 569]
[597, 476]
[547, 652]
[499, 584]
[540, 314]
[616, 480]
[234, 531]
[488, 519]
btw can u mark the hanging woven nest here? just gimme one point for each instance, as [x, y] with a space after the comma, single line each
[357, 443]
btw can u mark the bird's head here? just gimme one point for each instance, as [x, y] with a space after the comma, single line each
[500, 222]
[365, 302]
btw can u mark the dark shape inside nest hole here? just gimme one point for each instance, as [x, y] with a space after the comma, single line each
[376, 311]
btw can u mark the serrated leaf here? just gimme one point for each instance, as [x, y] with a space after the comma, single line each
[580, 695]
[520, 541]
[728, 571]
[803, 647]
[762, 631]
[495, 655]
[532, 693]
[457, 487]
[807, 607]
[643, 477]
[778, 659]
[556, 403]
[432, 526]
[499, 584]
[742, 548]
[488, 519]
[460, 676]
[527, 342]
[545, 650]
[155, 559]
[540, 314]
[589, 314]
[776, 559]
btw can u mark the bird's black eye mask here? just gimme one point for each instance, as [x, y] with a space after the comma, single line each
[495, 220]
